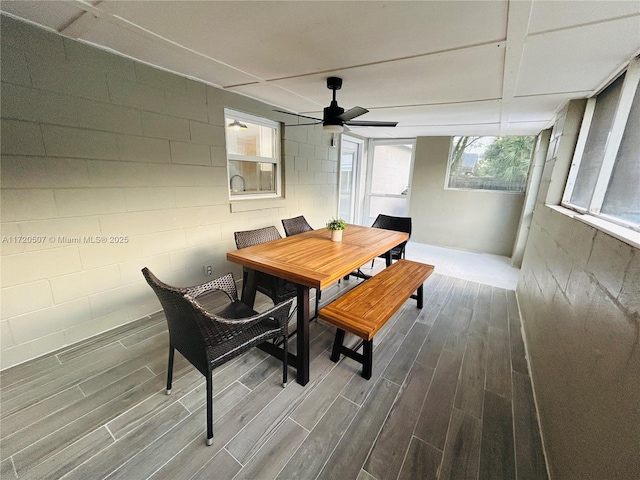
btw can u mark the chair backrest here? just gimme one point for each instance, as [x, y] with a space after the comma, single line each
[388, 222]
[184, 320]
[295, 225]
[248, 238]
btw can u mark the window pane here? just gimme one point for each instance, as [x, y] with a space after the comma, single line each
[249, 178]
[393, 206]
[392, 166]
[490, 163]
[622, 199]
[606, 104]
[255, 141]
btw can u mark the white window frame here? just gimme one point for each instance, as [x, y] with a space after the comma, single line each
[629, 86]
[485, 190]
[276, 160]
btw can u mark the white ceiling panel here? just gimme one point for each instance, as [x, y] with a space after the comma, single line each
[52, 14]
[316, 36]
[576, 59]
[433, 115]
[540, 108]
[440, 130]
[437, 67]
[138, 45]
[546, 15]
[459, 76]
[276, 95]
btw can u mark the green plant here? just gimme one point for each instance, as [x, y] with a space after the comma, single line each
[337, 224]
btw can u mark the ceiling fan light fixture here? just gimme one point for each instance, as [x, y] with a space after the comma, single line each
[332, 128]
[236, 125]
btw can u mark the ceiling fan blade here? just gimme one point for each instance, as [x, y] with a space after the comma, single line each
[352, 113]
[298, 115]
[370, 124]
[302, 124]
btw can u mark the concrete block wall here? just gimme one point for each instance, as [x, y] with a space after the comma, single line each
[97, 145]
[477, 221]
[579, 294]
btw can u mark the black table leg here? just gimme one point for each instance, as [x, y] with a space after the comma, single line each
[249, 287]
[302, 336]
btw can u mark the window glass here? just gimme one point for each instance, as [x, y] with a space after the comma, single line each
[604, 178]
[392, 166]
[250, 178]
[254, 141]
[622, 199]
[599, 132]
[490, 163]
[252, 155]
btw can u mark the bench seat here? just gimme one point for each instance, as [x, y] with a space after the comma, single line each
[365, 309]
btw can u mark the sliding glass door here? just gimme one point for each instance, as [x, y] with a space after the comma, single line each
[388, 179]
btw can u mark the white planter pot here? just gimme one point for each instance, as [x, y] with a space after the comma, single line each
[336, 235]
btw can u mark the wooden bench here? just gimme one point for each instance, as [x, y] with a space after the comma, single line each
[365, 309]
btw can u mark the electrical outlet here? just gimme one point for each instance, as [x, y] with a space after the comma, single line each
[208, 270]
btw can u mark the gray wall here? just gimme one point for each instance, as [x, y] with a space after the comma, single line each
[476, 221]
[579, 294]
[94, 144]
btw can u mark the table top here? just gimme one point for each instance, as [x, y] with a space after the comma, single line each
[313, 260]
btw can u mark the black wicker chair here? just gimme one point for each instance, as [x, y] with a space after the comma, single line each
[398, 224]
[277, 289]
[295, 225]
[208, 340]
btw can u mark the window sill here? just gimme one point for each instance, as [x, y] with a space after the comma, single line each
[249, 205]
[484, 190]
[621, 233]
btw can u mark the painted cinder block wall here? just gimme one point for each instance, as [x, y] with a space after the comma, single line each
[94, 144]
[579, 295]
[477, 221]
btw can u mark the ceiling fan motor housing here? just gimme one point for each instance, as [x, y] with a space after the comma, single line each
[331, 114]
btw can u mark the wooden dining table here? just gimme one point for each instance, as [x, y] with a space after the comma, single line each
[312, 260]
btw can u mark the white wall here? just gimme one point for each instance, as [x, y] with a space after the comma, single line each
[477, 221]
[579, 294]
[94, 144]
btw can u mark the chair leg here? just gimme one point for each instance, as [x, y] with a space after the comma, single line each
[170, 369]
[285, 362]
[209, 409]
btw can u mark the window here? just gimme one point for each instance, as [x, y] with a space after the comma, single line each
[605, 172]
[253, 155]
[490, 163]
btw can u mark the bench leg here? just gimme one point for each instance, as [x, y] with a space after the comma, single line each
[367, 359]
[420, 296]
[337, 345]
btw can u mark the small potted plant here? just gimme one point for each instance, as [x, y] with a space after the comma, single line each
[336, 226]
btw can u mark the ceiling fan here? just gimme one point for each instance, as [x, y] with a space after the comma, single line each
[335, 117]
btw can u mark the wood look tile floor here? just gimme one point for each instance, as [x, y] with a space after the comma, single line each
[450, 398]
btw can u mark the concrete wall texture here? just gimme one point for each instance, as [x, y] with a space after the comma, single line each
[477, 221]
[94, 144]
[579, 295]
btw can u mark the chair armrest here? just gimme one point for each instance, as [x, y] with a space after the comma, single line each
[279, 313]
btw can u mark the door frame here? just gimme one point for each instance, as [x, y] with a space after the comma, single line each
[357, 199]
[372, 143]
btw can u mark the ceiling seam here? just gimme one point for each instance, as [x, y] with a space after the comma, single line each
[379, 62]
